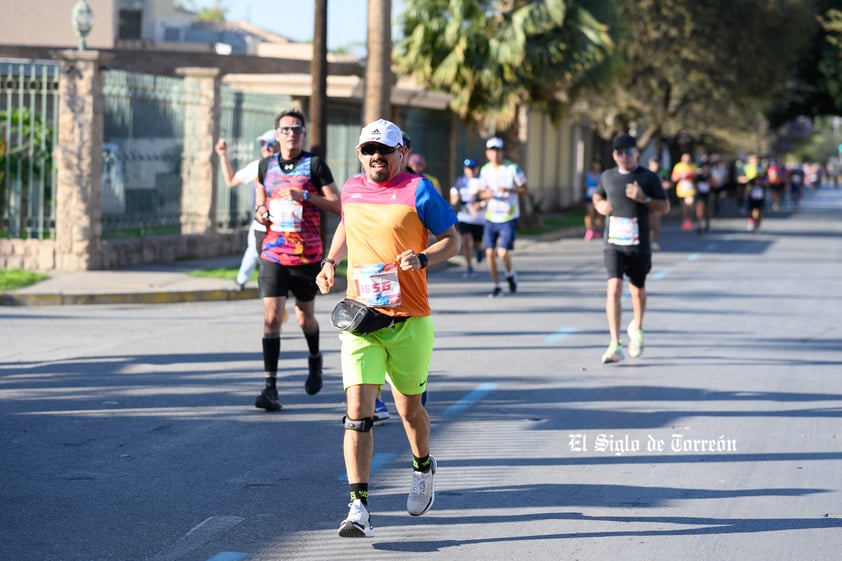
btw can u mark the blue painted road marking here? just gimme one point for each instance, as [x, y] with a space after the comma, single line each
[378, 460]
[560, 334]
[463, 404]
[229, 556]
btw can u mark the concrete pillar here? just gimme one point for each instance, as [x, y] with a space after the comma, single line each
[78, 158]
[199, 167]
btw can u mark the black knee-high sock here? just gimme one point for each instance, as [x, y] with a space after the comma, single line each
[271, 352]
[313, 341]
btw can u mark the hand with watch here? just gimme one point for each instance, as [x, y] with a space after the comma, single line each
[261, 214]
[326, 277]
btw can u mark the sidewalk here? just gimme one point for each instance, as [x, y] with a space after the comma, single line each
[153, 284]
[158, 284]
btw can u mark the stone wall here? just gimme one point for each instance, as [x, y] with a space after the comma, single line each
[40, 255]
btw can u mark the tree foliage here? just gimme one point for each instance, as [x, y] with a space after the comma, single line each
[494, 56]
[701, 70]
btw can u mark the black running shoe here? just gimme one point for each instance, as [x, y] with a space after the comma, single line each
[512, 279]
[314, 378]
[268, 400]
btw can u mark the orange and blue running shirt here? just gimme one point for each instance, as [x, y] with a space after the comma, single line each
[294, 236]
[383, 221]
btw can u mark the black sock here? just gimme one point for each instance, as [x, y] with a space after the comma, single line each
[313, 341]
[359, 491]
[271, 352]
[271, 382]
[422, 464]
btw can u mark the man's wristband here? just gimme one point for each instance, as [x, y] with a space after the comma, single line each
[328, 261]
[423, 260]
[306, 196]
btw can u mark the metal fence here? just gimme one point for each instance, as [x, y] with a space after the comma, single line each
[244, 116]
[142, 153]
[28, 127]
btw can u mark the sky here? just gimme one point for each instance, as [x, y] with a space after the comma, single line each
[346, 19]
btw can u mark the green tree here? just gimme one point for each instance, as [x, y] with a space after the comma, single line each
[830, 64]
[212, 14]
[689, 71]
[494, 56]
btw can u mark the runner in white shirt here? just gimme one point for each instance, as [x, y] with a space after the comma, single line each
[466, 197]
[246, 176]
[505, 182]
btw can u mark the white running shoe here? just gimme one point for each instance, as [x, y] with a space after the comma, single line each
[358, 522]
[421, 494]
[635, 345]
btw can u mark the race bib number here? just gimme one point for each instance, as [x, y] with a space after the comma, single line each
[756, 193]
[377, 285]
[704, 187]
[623, 230]
[285, 216]
[499, 210]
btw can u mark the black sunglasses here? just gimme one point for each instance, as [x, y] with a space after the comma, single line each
[371, 149]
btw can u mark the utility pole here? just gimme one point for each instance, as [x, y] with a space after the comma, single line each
[318, 97]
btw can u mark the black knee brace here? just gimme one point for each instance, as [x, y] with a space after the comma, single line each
[362, 425]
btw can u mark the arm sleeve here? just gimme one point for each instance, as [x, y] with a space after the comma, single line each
[435, 213]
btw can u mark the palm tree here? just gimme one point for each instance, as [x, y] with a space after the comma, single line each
[495, 56]
[378, 71]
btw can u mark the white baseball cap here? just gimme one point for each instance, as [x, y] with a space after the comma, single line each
[381, 131]
[268, 137]
[494, 142]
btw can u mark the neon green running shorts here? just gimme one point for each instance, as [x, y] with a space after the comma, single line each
[403, 352]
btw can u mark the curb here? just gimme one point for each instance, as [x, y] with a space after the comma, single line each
[217, 295]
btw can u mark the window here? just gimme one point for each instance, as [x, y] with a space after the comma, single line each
[130, 24]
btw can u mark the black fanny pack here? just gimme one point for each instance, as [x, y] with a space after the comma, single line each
[350, 315]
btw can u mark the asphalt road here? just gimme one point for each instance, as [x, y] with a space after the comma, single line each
[127, 432]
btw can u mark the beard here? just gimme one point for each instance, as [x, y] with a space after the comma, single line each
[380, 175]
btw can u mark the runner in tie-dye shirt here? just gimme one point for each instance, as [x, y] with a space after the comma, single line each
[292, 187]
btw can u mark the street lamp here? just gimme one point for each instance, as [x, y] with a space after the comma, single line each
[82, 20]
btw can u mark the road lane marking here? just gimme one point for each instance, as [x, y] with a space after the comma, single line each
[229, 556]
[463, 404]
[378, 460]
[560, 334]
[201, 534]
